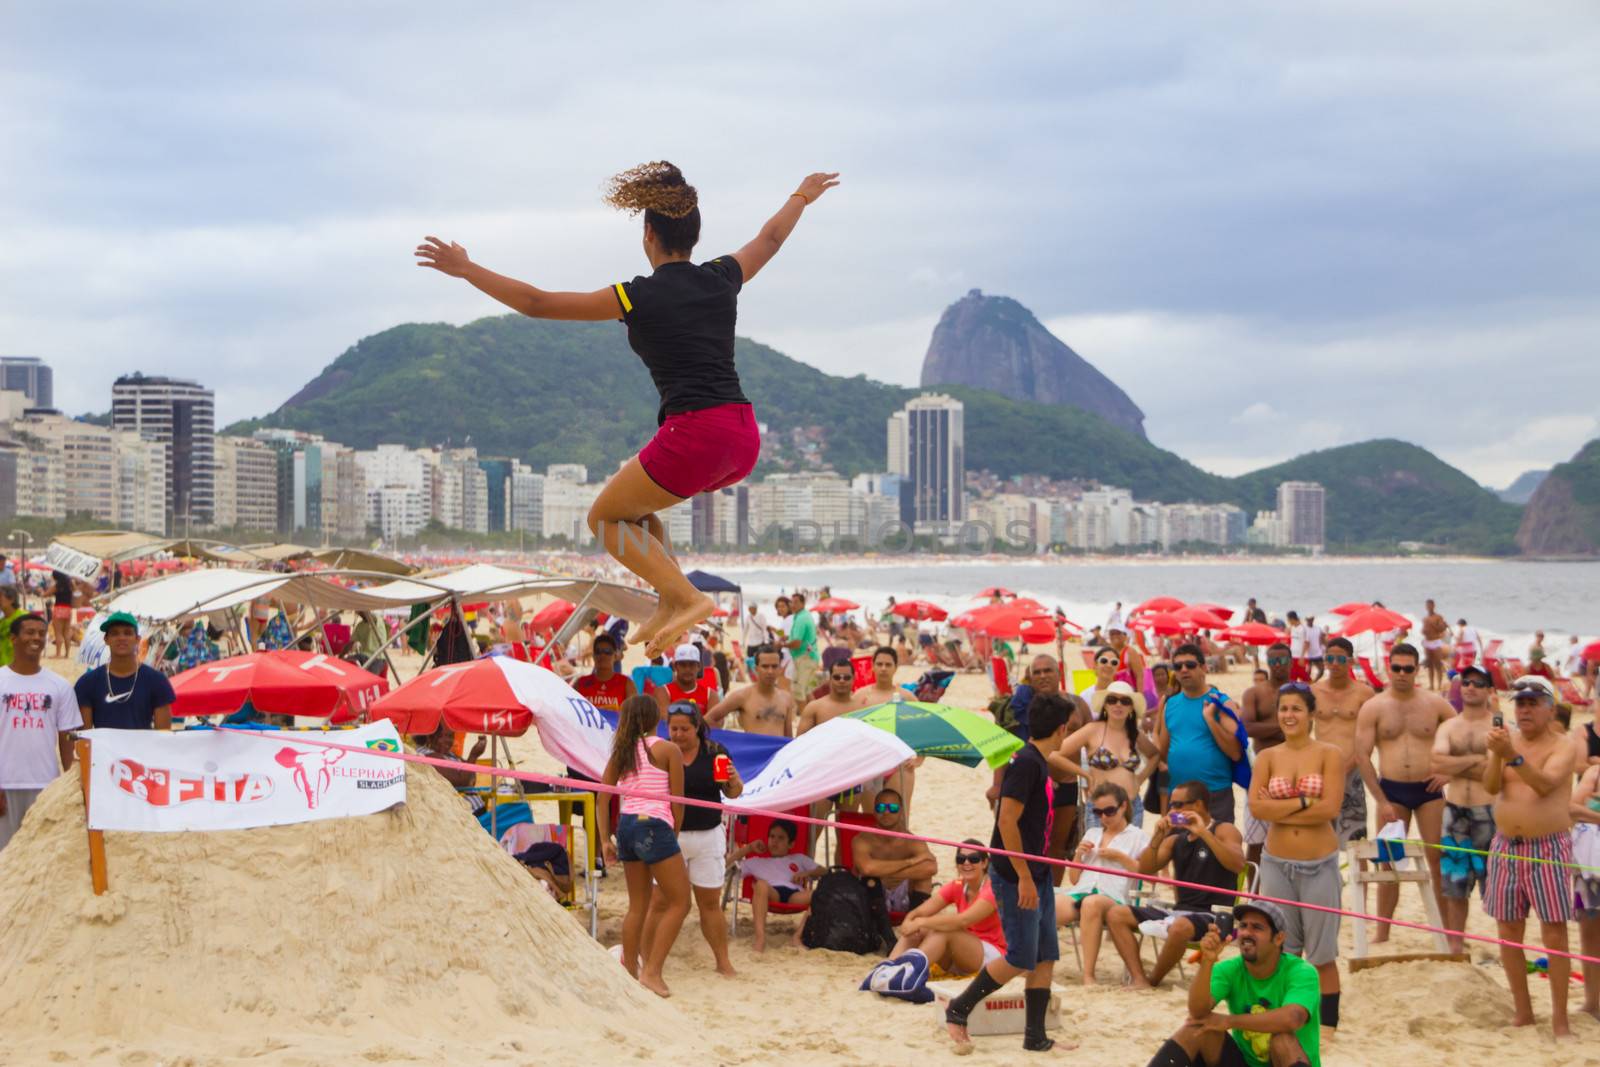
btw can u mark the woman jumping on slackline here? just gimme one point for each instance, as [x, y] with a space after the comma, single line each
[680, 321]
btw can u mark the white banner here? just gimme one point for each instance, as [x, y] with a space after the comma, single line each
[153, 780]
[71, 561]
[836, 756]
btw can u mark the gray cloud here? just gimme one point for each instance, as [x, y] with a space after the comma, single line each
[1222, 209]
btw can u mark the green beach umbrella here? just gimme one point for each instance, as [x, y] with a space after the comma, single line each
[943, 731]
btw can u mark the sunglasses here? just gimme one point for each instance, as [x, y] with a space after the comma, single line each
[964, 858]
[886, 807]
[1106, 661]
[1474, 683]
[1396, 668]
[1186, 665]
[1294, 687]
[1126, 702]
[1279, 660]
[1341, 660]
[1106, 813]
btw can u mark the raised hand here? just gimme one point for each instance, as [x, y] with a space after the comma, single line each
[814, 185]
[1210, 945]
[449, 259]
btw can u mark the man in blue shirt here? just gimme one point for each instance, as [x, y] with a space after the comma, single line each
[125, 694]
[1197, 733]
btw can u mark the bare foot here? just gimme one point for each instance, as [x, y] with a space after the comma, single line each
[1088, 980]
[654, 983]
[958, 1034]
[1140, 984]
[1592, 1010]
[1522, 1020]
[1562, 1031]
[652, 625]
[726, 968]
[685, 615]
[760, 944]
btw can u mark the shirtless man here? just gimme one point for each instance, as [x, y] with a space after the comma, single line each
[1460, 752]
[905, 868]
[835, 702]
[1258, 708]
[1401, 723]
[1530, 776]
[885, 661]
[1339, 699]
[1435, 644]
[764, 707]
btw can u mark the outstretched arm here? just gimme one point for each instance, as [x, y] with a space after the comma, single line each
[453, 260]
[755, 255]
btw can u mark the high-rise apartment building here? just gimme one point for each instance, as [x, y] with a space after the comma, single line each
[181, 415]
[899, 460]
[30, 376]
[246, 496]
[935, 463]
[1300, 509]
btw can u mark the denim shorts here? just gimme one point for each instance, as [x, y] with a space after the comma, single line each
[1030, 935]
[645, 839]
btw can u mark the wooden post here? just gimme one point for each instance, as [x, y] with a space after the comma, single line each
[97, 838]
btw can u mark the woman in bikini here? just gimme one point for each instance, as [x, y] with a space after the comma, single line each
[1297, 789]
[1107, 750]
[680, 321]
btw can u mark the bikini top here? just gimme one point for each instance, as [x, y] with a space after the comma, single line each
[1103, 759]
[1309, 785]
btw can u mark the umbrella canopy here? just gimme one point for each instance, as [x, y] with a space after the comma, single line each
[1198, 618]
[919, 610]
[1349, 609]
[280, 683]
[831, 604]
[994, 591]
[1591, 652]
[1162, 623]
[707, 582]
[1047, 629]
[552, 616]
[1374, 620]
[942, 731]
[1005, 620]
[1158, 603]
[1216, 609]
[1251, 633]
[720, 613]
[474, 697]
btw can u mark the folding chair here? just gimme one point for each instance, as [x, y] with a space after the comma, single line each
[1248, 879]
[1000, 675]
[1369, 675]
[747, 828]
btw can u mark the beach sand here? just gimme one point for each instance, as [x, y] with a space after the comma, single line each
[405, 938]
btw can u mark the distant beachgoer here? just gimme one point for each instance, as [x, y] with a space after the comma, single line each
[1530, 775]
[763, 707]
[681, 322]
[63, 594]
[1401, 723]
[1297, 647]
[1469, 642]
[1316, 640]
[1114, 620]
[802, 644]
[1435, 644]
[1130, 661]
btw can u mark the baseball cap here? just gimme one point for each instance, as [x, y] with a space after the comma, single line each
[1535, 686]
[119, 618]
[1479, 671]
[1273, 913]
[686, 653]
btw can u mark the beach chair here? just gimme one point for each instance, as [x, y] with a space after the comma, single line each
[1491, 651]
[1369, 675]
[846, 839]
[1088, 657]
[1248, 878]
[747, 828]
[1569, 692]
[1000, 675]
[1497, 675]
[862, 668]
[1515, 668]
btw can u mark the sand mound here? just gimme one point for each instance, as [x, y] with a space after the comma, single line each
[392, 937]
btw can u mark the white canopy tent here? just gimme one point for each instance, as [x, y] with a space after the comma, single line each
[487, 582]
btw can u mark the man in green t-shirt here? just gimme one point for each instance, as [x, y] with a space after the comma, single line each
[803, 647]
[1274, 1002]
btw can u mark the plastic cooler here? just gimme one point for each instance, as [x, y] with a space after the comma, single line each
[1001, 1012]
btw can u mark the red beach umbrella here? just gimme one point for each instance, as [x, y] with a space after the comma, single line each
[1591, 652]
[287, 682]
[1374, 620]
[1251, 633]
[994, 591]
[720, 613]
[832, 604]
[1216, 609]
[1349, 609]
[1162, 623]
[1047, 629]
[470, 698]
[552, 616]
[919, 610]
[1197, 618]
[1158, 603]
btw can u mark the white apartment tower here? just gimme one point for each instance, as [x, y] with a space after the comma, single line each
[181, 415]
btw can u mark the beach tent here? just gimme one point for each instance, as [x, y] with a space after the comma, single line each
[82, 554]
[362, 560]
[707, 582]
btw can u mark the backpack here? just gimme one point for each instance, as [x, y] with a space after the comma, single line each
[1001, 711]
[845, 915]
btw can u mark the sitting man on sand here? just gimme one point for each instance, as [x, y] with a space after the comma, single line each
[904, 868]
[763, 707]
[780, 876]
[1272, 1000]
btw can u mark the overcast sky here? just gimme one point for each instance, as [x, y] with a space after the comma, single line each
[1277, 227]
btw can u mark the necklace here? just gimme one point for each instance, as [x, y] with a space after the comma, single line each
[114, 697]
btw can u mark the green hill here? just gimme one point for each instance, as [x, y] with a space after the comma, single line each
[549, 392]
[1563, 517]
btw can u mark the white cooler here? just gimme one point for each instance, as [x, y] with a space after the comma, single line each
[1001, 1012]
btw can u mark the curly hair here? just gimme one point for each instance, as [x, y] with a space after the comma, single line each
[670, 204]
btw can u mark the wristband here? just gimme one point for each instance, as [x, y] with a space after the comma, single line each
[1519, 761]
[1305, 802]
[802, 196]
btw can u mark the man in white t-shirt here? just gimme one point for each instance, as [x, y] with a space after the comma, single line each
[1469, 642]
[1297, 646]
[1315, 636]
[37, 710]
[1114, 620]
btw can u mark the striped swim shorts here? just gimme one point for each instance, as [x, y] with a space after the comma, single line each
[1515, 884]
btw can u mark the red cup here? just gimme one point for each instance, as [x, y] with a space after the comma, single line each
[721, 767]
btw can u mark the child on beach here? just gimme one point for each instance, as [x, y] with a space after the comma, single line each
[779, 876]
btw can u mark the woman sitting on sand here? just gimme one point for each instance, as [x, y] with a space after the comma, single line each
[647, 836]
[1297, 789]
[967, 939]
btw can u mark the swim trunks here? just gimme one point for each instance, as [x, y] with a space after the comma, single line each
[1515, 884]
[1409, 795]
[1352, 822]
[702, 451]
[1465, 828]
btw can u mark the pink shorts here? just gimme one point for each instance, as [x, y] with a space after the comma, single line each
[700, 451]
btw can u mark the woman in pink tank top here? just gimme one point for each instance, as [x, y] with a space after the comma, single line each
[649, 769]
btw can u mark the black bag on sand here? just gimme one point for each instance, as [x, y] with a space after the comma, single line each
[846, 916]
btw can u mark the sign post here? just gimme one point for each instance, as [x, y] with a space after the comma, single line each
[97, 838]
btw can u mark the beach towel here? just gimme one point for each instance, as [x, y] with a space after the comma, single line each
[1241, 766]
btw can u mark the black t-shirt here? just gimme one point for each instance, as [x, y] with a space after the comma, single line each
[680, 321]
[698, 784]
[1192, 861]
[1024, 780]
[123, 703]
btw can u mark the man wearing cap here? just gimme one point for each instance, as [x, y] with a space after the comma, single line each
[688, 683]
[124, 694]
[1272, 998]
[1130, 664]
[1460, 753]
[1529, 774]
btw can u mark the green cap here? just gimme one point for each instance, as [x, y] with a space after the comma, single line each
[120, 618]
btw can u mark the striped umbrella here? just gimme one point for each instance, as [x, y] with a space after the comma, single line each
[940, 730]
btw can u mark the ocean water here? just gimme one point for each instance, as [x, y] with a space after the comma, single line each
[1502, 599]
